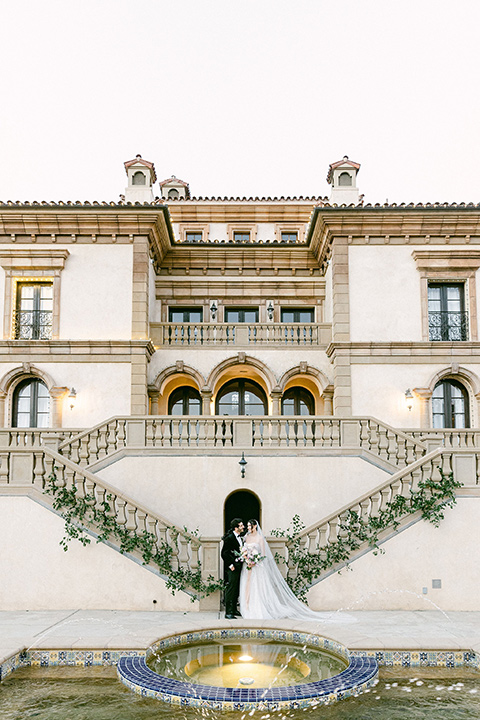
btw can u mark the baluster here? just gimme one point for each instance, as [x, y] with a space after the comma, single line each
[141, 517]
[38, 470]
[183, 553]
[93, 446]
[167, 432]
[332, 530]
[386, 495]
[121, 434]
[229, 433]
[415, 477]
[308, 432]
[195, 555]
[220, 428]
[4, 468]
[111, 509]
[173, 544]
[343, 526]
[365, 508]
[411, 454]
[211, 431]
[375, 500]
[312, 541]
[150, 433]
[322, 540]
[69, 479]
[110, 437]
[131, 512]
[364, 433]
[73, 455]
[373, 438]
[382, 442]
[401, 452]
[90, 491]
[102, 442]
[284, 433]
[392, 447]
[274, 435]
[175, 439]
[121, 514]
[83, 451]
[335, 439]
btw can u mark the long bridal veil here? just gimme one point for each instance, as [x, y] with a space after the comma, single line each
[270, 593]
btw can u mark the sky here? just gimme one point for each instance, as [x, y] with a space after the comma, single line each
[241, 97]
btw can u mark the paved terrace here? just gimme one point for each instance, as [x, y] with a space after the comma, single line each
[120, 630]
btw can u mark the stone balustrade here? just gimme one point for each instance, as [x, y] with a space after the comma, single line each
[447, 437]
[266, 432]
[201, 334]
[29, 469]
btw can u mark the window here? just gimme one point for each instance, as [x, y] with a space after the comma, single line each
[447, 319]
[241, 315]
[241, 397]
[138, 178]
[298, 401]
[303, 315]
[241, 236]
[34, 309]
[193, 237]
[185, 315]
[185, 401]
[31, 404]
[450, 405]
[173, 194]
[289, 237]
[345, 179]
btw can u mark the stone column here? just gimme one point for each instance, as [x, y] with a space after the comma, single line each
[328, 400]
[57, 394]
[276, 396]
[206, 394]
[154, 396]
[424, 395]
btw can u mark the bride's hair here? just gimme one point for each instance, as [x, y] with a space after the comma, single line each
[253, 523]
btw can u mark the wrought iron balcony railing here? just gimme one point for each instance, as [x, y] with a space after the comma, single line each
[444, 325]
[240, 334]
[33, 325]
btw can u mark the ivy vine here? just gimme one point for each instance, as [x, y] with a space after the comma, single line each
[431, 499]
[80, 512]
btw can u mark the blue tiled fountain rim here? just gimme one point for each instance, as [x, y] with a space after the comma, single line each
[360, 674]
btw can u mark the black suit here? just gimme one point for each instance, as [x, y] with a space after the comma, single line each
[230, 546]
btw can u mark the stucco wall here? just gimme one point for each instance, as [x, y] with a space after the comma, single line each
[192, 490]
[384, 294]
[412, 559]
[96, 293]
[37, 574]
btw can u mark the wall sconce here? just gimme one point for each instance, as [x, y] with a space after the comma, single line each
[409, 399]
[270, 310]
[242, 464]
[72, 396]
[213, 310]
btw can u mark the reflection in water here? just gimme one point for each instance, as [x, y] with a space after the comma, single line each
[266, 664]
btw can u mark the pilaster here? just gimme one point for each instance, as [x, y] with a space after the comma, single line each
[341, 327]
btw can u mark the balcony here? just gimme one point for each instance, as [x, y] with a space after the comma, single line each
[445, 325]
[240, 335]
[33, 324]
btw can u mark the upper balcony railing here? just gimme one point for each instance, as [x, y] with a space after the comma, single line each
[33, 325]
[241, 334]
[444, 325]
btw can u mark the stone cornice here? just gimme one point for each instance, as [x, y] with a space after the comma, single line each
[76, 350]
[395, 351]
[33, 257]
[392, 225]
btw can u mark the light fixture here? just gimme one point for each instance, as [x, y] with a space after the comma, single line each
[72, 395]
[245, 658]
[213, 309]
[409, 399]
[242, 464]
[270, 310]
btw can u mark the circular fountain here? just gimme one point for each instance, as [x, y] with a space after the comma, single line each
[247, 669]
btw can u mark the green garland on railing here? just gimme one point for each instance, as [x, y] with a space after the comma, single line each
[78, 512]
[430, 500]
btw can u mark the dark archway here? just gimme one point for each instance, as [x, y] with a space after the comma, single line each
[243, 504]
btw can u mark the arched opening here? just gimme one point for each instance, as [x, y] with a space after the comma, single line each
[241, 397]
[31, 404]
[450, 405]
[298, 401]
[243, 504]
[173, 194]
[138, 178]
[345, 179]
[185, 401]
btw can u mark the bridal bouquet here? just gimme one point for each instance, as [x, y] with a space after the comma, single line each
[250, 556]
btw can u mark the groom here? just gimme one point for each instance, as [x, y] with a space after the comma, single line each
[232, 542]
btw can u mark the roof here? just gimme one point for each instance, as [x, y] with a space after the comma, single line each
[341, 163]
[145, 163]
[175, 180]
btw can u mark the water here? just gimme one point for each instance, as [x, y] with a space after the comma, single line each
[69, 693]
[264, 664]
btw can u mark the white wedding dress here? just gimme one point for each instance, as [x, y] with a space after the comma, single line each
[264, 594]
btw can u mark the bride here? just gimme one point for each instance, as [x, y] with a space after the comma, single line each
[264, 594]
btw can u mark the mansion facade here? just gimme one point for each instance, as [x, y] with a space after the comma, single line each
[203, 358]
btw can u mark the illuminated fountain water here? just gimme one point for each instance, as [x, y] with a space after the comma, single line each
[247, 669]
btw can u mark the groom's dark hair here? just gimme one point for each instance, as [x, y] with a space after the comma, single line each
[235, 523]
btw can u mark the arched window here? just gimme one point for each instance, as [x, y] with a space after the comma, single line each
[450, 405]
[31, 404]
[138, 178]
[173, 193]
[185, 401]
[241, 397]
[344, 179]
[298, 401]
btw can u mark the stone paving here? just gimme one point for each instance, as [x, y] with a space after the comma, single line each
[109, 629]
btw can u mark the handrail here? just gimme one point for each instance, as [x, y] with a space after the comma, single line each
[449, 437]
[220, 431]
[198, 334]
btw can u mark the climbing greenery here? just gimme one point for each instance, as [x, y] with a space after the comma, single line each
[353, 530]
[80, 512]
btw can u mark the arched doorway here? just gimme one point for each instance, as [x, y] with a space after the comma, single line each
[241, 397]
[243, 504]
